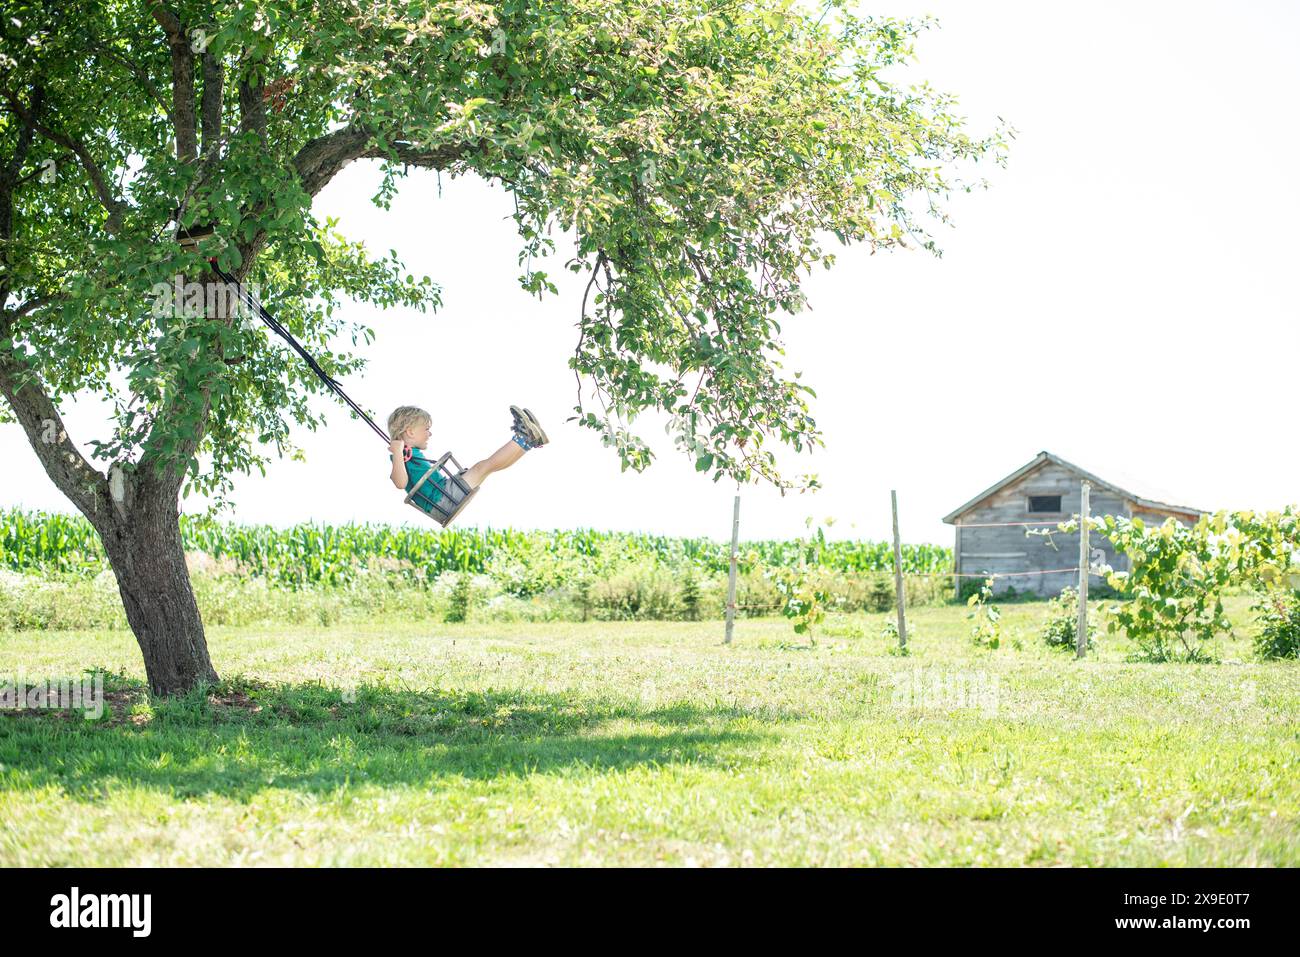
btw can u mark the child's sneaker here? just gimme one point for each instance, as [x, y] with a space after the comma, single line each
[542, 437]
[518, 415]
[519, 428]
[526, 425]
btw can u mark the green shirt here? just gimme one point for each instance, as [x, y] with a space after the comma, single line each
[431, 491]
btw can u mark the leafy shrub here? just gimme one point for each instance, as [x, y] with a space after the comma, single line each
[1179, 574]
[880, 593]
[986, 632]
[645, 592]
[583, 597]
[803, 601]
[463, 598]
[929, 589]
[690, 597]
[1062, 628]
[59, 602]
[1279, 618]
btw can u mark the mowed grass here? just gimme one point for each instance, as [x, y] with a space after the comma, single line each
[652, 743]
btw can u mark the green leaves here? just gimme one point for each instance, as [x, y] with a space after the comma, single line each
[700, 157]
[986, 632]
[699, 169]
[1179, 573]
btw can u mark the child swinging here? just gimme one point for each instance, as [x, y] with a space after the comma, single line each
[426, 482]
[431, 487]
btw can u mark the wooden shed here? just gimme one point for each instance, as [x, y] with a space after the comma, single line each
[991, 528]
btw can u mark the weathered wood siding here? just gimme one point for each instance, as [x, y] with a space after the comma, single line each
[1010, 550]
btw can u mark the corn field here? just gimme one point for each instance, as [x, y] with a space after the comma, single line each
[311, 554]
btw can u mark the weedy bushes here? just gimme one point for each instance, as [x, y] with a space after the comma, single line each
[464, 598]
[1062, 628]
[59, 602]
[645, 591]
[986, 617]
[690, 596]
[880, 593]
[1278, 613]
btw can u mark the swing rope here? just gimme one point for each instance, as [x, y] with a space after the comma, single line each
[273, 324]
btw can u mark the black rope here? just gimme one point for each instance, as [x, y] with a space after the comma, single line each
[273, 324]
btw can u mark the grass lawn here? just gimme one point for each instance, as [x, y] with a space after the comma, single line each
[651, 743]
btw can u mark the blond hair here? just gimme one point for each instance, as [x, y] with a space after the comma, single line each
[405, 417]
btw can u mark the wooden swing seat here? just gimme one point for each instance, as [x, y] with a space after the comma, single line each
[452, 497]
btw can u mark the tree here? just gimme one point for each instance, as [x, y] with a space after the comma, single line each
[697, 149]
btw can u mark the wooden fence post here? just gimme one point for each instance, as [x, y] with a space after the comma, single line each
[898, 573]
[1081, 644]
[956, 562]
[731, 578]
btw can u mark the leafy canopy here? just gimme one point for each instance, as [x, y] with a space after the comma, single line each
[700, 152]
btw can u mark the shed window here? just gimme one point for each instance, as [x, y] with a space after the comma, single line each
[1044, 503]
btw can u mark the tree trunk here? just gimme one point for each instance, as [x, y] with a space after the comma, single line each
[146, 554]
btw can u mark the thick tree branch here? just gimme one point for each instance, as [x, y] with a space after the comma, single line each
[412, 155]
[212, 83]
[320, 159]
[252, 103]
[76, 478]
[184, 121]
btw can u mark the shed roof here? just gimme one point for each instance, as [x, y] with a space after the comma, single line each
[1148, 500]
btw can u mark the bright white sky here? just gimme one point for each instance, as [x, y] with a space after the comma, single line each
[1120, 297]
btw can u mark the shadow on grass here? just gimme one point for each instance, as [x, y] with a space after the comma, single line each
[243, 736]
